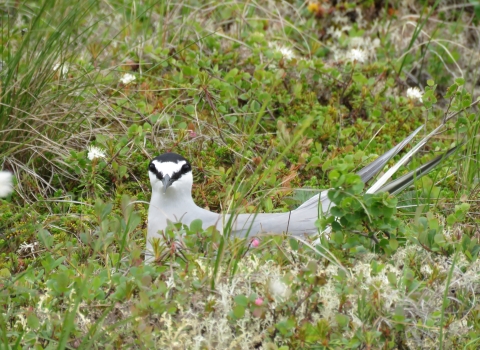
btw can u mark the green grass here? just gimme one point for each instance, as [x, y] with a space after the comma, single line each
[212, 84]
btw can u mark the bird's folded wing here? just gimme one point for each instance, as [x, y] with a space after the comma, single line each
[296, 222]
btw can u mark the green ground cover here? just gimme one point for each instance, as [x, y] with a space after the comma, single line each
[264, 98]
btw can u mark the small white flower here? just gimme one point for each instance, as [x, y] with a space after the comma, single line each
[287, 53]
[6, 183]
[357, 55]
[64, 67]
[414, 94]
[95, 152]
[127, 78]
[336, 33]
[279, 289]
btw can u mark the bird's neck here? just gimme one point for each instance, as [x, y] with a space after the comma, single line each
[173, 196]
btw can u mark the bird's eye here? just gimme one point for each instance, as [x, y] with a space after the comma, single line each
[152, 168]
[186, 168]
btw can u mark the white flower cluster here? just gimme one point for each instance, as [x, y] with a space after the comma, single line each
[6, 183]
[414, 94]
[127, 78]
[357, 55]
[286, 52]
[95, 153]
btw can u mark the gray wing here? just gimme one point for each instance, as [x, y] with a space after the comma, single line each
[295, 222]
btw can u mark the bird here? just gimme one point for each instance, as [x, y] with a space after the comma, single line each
[6, 183]
[171, 180]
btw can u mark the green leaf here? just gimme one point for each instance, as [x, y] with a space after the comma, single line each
[360, 78]
[196, 226]
[45, 238]
[62, 281]
[190, 109]
[241, 300]
[297, 90]
[314, 162]
[337, 211]
[33, 321]
[133, 221]
[182, 125]
[238, 311]
[460, 81]
[393, 243]
[439, 239]
[342, 320]
[392, 278]
[233, 72]
[294, 244]
[451, 90]
[189, 70]
[466, 101]
[5, 273]
[122, 171]
[285, 326]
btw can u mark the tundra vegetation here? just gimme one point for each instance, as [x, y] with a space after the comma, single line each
[271, 101]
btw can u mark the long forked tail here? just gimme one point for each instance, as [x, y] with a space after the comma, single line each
[406, 180]
[374, 167]
[323, 203]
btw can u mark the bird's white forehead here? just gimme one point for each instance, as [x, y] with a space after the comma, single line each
[169, 168]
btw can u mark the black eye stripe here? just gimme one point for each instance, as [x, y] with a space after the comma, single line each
[185, 169]
[153, 168]
[177, 175]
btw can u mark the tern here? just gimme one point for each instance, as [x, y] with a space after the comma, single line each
[171, 202]
[6, 183]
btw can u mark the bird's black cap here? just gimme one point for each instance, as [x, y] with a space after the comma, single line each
[170, 157]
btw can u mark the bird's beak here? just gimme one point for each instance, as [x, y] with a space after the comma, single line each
[167, 182]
